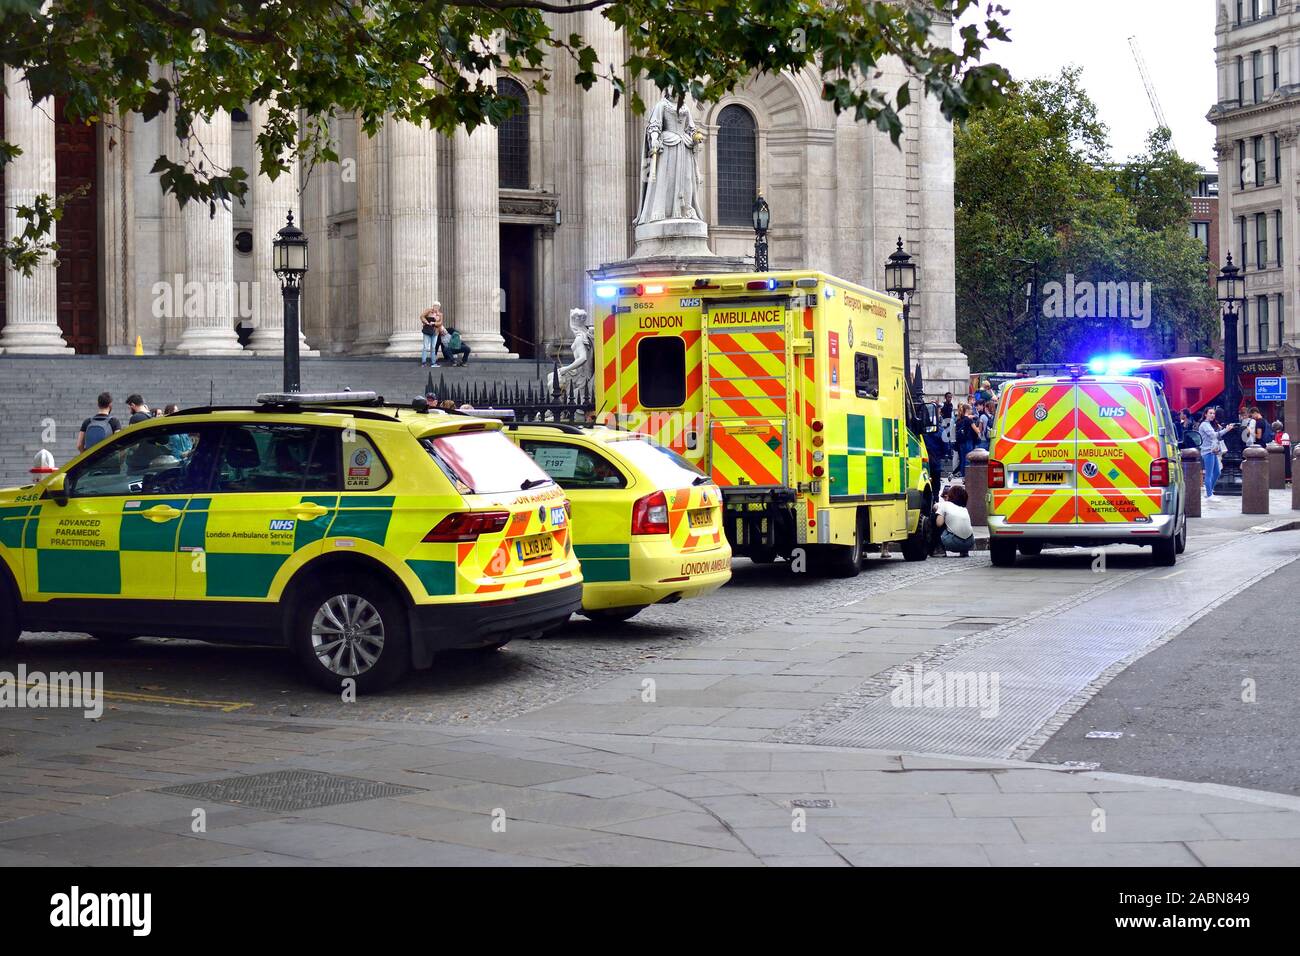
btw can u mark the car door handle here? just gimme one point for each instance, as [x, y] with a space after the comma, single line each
[161, 513]
[308, 511]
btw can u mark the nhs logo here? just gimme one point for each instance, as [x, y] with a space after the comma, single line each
[1111, 411]
[282, 524]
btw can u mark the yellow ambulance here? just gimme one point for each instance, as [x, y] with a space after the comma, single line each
[787, 390]
[647, 524]
[1084, 459]
[365, 537]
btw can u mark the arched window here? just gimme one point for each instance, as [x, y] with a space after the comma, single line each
[512, 138]
[737, 165]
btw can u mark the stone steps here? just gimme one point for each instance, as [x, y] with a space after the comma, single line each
[36, 391]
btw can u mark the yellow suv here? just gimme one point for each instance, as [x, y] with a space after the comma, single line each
[647, 523]
[365, 537]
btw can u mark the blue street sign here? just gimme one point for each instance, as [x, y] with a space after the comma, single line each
[1270, 388]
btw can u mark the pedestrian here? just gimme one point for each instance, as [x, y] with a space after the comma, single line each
[139, 410]
[1282, 438]
[449, 340]
[429, 335]
[180, 443]
[966, 435]
[934, 445]
[100, 425]
[952, 524]
[985, 420]
[1212, 448]
[1185, 427]
[1263, 434]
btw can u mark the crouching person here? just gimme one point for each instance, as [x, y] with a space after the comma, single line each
[952, 525]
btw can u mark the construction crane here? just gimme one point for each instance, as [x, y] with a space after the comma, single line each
[1146, 81]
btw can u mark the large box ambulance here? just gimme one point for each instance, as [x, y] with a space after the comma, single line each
[787, 390]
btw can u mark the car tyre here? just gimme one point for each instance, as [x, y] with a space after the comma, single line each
[1164, 553]
[357, 623]
[1182, 537]
[613, 615]
[1003, 553]
[840, 560]
[9, 629]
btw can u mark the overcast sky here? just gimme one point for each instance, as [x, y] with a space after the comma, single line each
[1177, 41]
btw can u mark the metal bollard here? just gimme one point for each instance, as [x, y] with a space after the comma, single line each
[977, 486]
[1193, 481]
[1276, 467]
[1254, 481]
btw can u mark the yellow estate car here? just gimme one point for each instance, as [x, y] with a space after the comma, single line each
[647, 523]
[364, 536]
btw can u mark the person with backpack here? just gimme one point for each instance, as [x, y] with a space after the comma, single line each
[985, 423]
[450, 342]
[100, 425]
[139, 410]
[966, 434]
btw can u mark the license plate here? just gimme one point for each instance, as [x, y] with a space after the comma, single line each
[1040, 477]
[534, 548]
[702, 518]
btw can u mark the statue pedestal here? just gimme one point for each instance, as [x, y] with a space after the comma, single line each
[671, 247]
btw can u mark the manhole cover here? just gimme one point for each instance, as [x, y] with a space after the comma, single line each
[287, 790]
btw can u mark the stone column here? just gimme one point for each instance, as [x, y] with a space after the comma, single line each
[209, 252]
[476, 313]
[117, 232]
[413, 154]
[374, 242]
[273, 200]
[31, 301]
[604, 194]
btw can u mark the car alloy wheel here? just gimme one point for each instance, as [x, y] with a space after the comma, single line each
[347, 635]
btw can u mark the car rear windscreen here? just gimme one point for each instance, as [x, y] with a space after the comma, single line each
[485, 462]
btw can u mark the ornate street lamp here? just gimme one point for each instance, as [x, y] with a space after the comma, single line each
[1231, 289]
[762, 217]
[900, 281]
[290, 264]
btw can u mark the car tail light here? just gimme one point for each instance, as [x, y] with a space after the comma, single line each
[650, 514]
[997, 474]
[467, 525]
[1160, 473]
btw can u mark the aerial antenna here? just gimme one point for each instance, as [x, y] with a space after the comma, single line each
[1151, 90]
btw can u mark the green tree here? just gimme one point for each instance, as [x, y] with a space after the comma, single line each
[1034, 184]
[425, 60]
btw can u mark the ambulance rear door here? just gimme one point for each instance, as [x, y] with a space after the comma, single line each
[1118, 439]
[747, 392]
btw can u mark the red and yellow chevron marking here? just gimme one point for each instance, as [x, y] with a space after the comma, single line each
[747, 374]
[746, 452]
[1036, 427]
[1115, 442]
[669, 427]
[609, 352]
[680, 505]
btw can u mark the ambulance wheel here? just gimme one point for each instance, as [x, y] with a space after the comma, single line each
[1164, 552]
[9, 630]
[351, 627]
[841, 560]
[1182, 537]
[113, 637]
[612, 615]
[1003, 553]
[916, 547]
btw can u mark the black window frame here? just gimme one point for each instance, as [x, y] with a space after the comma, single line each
[1243, 242]
[656, 380]
[1277, 239]
[737, 165]
[1281, 318]
[1261, 240]
[862, 384]
[514, 138]
[1277, 73]
[1257, 76]
[1261, 164]
[1241, 164]
[1261, 322]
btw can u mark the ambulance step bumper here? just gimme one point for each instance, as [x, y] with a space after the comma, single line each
[1127, 532]
[439, 627]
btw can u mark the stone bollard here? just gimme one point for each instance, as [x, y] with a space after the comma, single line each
[1193, 481]
[977, 485]
[1254, 481]
[1276, 467]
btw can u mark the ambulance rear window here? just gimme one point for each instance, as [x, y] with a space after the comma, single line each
[661, 371]
[484, 463]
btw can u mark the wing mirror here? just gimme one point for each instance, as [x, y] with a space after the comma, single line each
[54, 489]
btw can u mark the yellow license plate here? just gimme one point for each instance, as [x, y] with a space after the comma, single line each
[534, 548]
[702, 518]
[1040, 477]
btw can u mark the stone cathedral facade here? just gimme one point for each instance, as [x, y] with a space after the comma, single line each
[501, 226]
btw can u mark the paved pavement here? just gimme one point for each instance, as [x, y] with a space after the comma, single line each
[703, 756]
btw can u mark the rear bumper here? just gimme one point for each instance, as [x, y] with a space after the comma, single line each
[1083, 535]
[658, 572]
[438, 627]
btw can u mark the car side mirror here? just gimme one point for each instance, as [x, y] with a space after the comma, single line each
[54, 489]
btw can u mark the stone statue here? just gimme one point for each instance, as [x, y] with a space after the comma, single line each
[582, 369]
[670, 177]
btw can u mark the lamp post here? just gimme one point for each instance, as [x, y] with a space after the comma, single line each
[1230, 287]
[290, 264]
[900, 281]
[762, 217]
